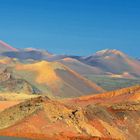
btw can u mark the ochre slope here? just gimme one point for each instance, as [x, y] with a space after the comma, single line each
[45, 119]
[121, 95]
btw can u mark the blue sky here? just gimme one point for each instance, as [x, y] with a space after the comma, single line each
[78, 27]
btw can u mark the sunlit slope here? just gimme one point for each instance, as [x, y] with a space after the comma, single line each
[56, 78]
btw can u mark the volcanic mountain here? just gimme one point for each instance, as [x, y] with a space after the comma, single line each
[4, 47]
[111, 69]
[56, 79]
[113, 61]
[103, 62]
[46, 97]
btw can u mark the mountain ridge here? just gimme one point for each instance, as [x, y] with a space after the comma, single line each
[4, 47]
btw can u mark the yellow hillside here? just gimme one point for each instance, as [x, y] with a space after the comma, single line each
[45, 71]
[5, 60]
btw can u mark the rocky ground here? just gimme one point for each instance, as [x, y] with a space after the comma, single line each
[98, 117]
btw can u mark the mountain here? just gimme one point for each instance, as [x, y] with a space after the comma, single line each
[109, 116]
[45, 96]
[51, 78]
[111, 69]
[56, 79]
[113, 61]
[106, 62]
[4, 47]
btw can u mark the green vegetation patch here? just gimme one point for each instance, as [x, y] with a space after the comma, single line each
[109, 83]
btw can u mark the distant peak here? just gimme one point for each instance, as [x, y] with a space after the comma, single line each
[110, 51]
[68, 59]
[35, 49]
[30, 49]
[6, 47]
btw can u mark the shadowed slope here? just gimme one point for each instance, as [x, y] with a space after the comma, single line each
[80, 67]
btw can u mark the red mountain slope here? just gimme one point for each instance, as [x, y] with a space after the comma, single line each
[100, 117]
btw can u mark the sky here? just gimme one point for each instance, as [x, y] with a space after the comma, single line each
[75, 27]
